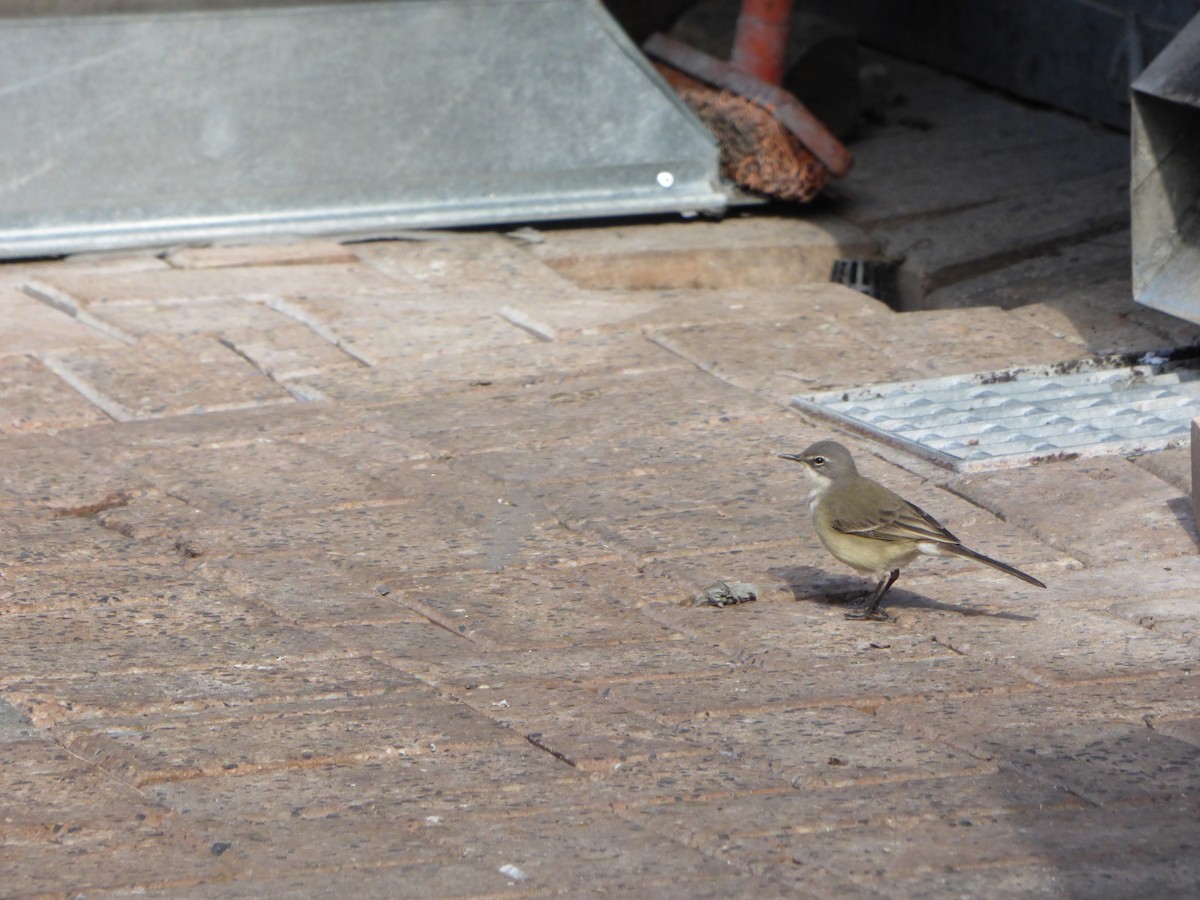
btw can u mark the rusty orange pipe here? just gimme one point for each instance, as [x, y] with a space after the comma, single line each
[761, 38]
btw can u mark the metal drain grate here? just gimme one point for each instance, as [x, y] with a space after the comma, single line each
[1111, 405]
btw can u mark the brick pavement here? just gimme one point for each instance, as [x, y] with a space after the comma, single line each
[368, 568]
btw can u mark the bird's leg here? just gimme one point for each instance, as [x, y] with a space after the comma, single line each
[869, 607]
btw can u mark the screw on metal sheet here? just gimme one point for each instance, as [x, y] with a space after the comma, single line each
[665, 179]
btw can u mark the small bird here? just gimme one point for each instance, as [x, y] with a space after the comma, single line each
[871, 528]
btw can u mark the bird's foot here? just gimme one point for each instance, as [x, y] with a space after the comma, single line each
[866, 612]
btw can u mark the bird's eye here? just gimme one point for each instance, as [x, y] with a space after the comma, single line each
[818, 460]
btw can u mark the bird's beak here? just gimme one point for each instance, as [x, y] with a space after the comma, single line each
[794, 457]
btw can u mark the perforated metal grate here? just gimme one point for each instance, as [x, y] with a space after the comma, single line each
[1114, 405]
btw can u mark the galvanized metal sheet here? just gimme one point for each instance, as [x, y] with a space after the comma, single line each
[1165, 189]
[1117, 405]
[146, 128]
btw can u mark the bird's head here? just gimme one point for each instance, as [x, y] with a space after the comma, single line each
[824, 462]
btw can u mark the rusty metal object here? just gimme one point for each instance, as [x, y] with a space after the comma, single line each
[820, 64]
[789, 111]
[761, 38]
[757, 152]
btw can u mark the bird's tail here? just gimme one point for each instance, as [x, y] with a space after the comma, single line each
[968, 553]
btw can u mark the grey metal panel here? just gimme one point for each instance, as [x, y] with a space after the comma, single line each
[1165, 189]
[140, 128]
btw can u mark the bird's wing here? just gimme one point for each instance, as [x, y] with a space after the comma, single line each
[886, 516]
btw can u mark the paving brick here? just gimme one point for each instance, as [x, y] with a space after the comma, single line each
[1135, 701]
[679, 462]
[1108, 744]
[1100, 511]
[287, 253]
[277, 344]
[101, 262]
[389, 327]
[1180, 729]
[1063, 279]
[820, 299]
[935, 343]
[166, 376]
[600, 312]
[162, 858]
[484, 264]
[1084, 287]
[268, 480]
[552, 317]
[1029, 854]
[393, 544]
[544, 608]
[1105, 763]
[784, 357]
[716, 826]
[1174, 616]
[52, 699]
[42, 469]
[965, 242]
[1085, 877]
[510, 365]
[452, 877]
[1157, 598]
[788, 684]
[647, 489]
[1173, 466]
[418, 790]
[1099, 588]
[33, 327]
[788, 636]
[565, 414]
[392, 866]
[301, 734]
[1096, 329]
[830, 747]
[42, 538]
[57, 809]
[210, 316]
[590, 666]
[163, 284]
[579, 850]
[148, 513]
[1051, 643]
[148, 636]
[753, 251]
[137, 441]
[354, 855]
[15, 727]
[593, 732]
[307, 589]
[674, 468]
[1082, 292]
[43, 787]
[32, 399]
[405, 644]
[44, 586]
[350, 444]
[289, 352]
[632, 784]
